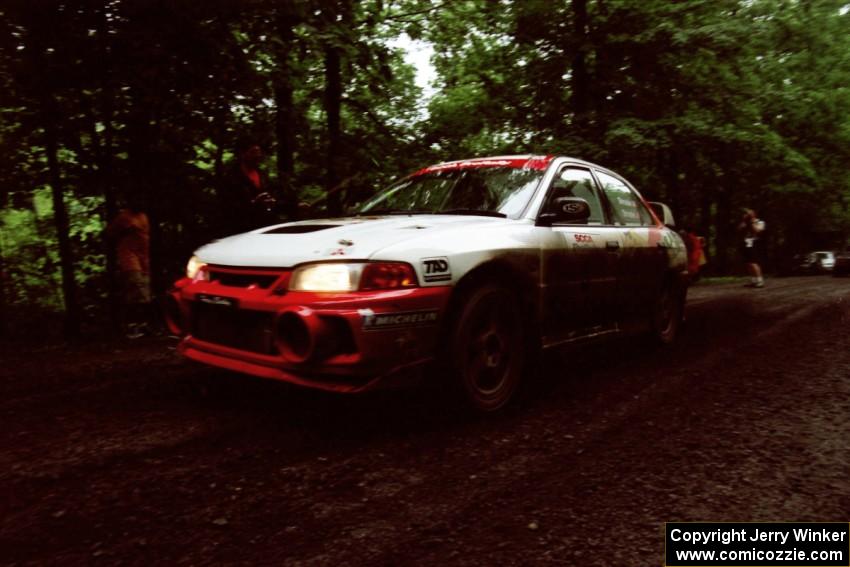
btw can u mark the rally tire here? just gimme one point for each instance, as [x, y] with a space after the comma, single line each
[487, 354]
[667, 311]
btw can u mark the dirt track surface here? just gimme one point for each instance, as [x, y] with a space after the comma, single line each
[134, 456]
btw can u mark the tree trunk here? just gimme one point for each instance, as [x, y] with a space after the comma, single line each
[107, 181]
[285, 115]
[706, 228]
[149, 185]
[673, 193]
[103, 177]
[333, 101]
[580, 82]
[60, 218]
[4, 315]
[157, 207]
[220, 142]
[723, 226]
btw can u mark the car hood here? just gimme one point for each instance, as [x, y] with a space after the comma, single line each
[356, 238]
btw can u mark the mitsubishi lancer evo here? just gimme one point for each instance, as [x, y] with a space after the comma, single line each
[461, 272]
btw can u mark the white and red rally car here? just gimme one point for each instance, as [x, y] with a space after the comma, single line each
[467, 268]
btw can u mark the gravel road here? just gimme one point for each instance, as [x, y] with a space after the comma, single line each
[126, 454]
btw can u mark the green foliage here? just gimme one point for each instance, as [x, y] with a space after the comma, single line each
[33, 277]
[709, 106]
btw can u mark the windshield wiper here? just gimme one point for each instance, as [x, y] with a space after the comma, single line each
[395, 212]
[476, 212]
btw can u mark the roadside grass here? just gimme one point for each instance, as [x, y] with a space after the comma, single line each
[719, 280]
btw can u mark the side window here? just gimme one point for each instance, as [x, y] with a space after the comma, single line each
[575, 182]
[626, 206]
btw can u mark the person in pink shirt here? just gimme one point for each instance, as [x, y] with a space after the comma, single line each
[129, 233]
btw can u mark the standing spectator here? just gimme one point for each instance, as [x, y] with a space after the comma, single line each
[750, 229]
[129, 232]
[246, 200]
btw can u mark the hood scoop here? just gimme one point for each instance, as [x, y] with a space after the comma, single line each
[300, 228]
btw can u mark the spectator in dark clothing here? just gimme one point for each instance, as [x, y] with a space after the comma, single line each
[246, 200]
[750, 229]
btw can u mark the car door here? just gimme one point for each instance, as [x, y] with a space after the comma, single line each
[579, 263]
[643, 260]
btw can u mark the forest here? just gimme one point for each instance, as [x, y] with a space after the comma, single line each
[707, 105]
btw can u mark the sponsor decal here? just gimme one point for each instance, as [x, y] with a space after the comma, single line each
[377, 321]
[535, 162]
[216, 300]
[583, 238]
[436, 269]
[471, 163]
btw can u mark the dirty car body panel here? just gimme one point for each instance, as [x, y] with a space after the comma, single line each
[241, 307]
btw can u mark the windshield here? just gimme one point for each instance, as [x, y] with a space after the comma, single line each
[502, 191]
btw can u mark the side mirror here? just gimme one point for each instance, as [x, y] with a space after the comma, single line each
[664, 214]
[565, 210]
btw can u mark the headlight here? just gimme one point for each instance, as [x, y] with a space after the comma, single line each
[195, 269]
[337, 276]
[326, 277]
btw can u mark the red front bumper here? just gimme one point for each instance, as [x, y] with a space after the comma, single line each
[344, 342]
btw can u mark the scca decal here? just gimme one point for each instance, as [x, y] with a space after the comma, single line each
[375, 321]
[436, 269]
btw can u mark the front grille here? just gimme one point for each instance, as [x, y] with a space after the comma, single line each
[233, 279]
[242, 329]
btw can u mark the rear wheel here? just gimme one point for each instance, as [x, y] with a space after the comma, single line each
[667, 314]
[488, 348]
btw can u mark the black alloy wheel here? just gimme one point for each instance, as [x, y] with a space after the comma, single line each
[667, 315]
[488, 354]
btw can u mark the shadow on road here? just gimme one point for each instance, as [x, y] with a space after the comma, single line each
[567, 376]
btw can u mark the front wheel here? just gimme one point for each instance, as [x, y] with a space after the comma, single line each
[488, 348]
